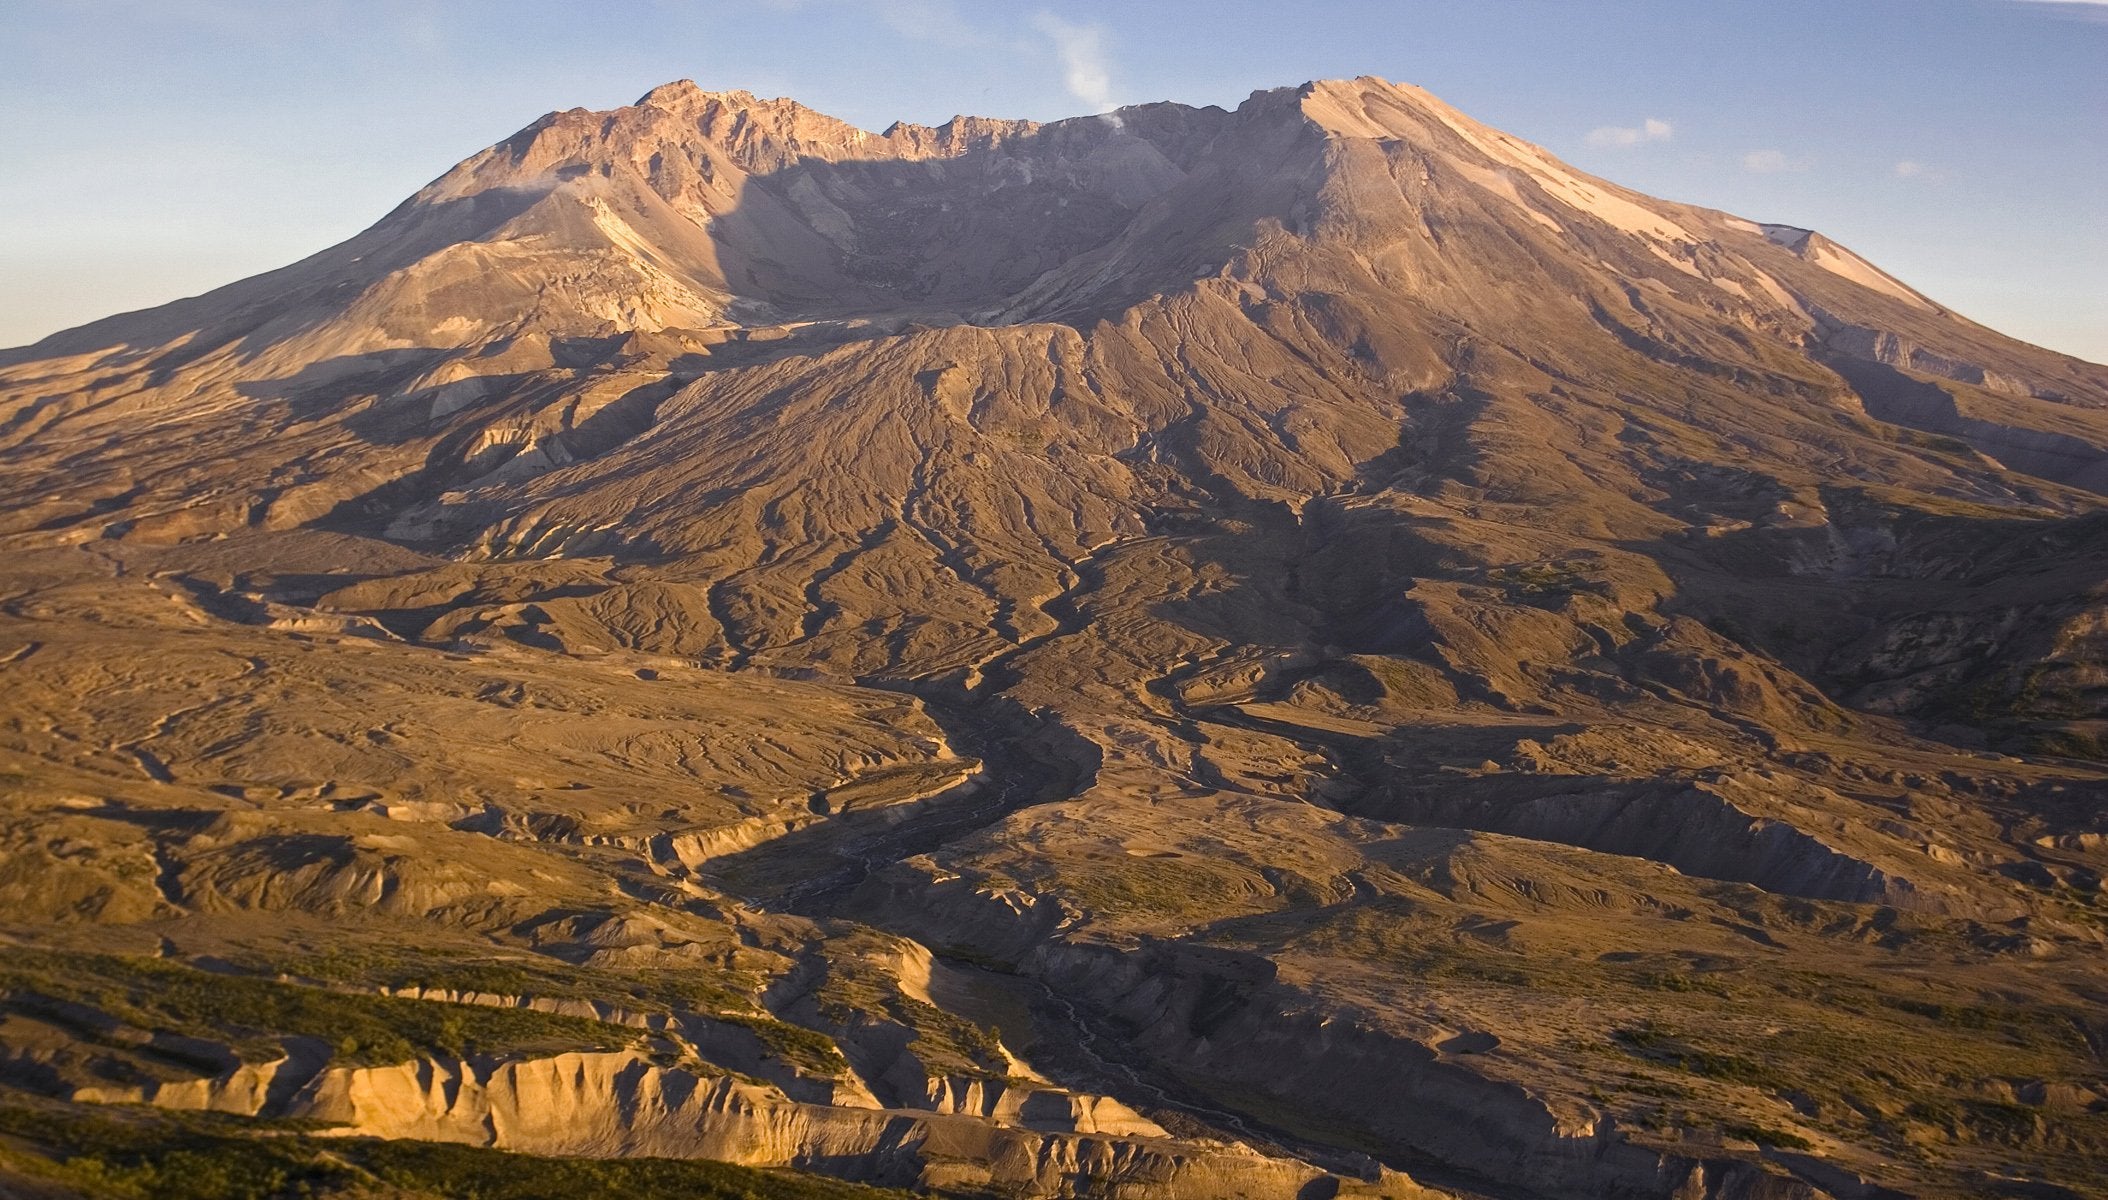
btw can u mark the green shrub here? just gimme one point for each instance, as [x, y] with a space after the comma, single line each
[144, 1156]
[1655, 1045]
[156, 994]
[794, 1044]
[1764, 1136]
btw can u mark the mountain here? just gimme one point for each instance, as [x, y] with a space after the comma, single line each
[1311, 650]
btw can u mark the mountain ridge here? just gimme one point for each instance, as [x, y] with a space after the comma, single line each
[983, 620]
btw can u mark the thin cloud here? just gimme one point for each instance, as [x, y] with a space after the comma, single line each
[1771, 162]
[935, 21]
[2077, 10]
[926, 21]
[1909, 169]
[1621, 137]
[1084, 65]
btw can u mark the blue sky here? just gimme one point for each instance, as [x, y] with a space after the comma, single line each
[157, 148]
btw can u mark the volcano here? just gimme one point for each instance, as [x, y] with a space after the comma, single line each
[1306, 650]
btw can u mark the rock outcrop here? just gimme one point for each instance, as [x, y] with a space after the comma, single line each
[625, 1105]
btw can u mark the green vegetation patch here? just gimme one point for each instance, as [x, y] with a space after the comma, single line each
[656, 990]
[795, 1044]
[947, 1044]
[1766, 1136]
[155, 994]
[942, 1036]
[1158, 887]
[1653, 1044]
[1979, 1120]
[141, 1156]
[1541, 583]
[713, 995]
[1677, 981]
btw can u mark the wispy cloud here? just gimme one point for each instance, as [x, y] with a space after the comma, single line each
[1653, 129]
[1085, 67]
[2082, 10]
[926, 20]
[935, 21]
[1771, 162]
[1909, 169]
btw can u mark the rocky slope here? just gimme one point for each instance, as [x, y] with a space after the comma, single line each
[1178, 654]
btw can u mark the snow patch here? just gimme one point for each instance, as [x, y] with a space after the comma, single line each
[1839, 261]
[1820, 251]
[1563, 185]
[1676, 262]
[1777, 291]
[1502, 184]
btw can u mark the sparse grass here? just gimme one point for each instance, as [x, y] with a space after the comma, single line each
[1539, 583]
[156, 995]
[656, 990]
[165, 1158]
[960, 952]
[794, 1044]
[1675, 981]
[140, 1156]
[647, 990]
[1176, 888]
[1958, 1016]
[1656, 1045]
[2068, 742]
[941, 1036]
[1694, 1039]
[471, 1173]
[1378, 933]
[1766, 1136]
[1978, 1120]
[947, 1043]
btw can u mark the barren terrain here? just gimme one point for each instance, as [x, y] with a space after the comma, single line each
[1305, 651]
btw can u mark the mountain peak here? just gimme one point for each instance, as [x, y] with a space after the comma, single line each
[1374, 107]
[678, 93]
[739, 116]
